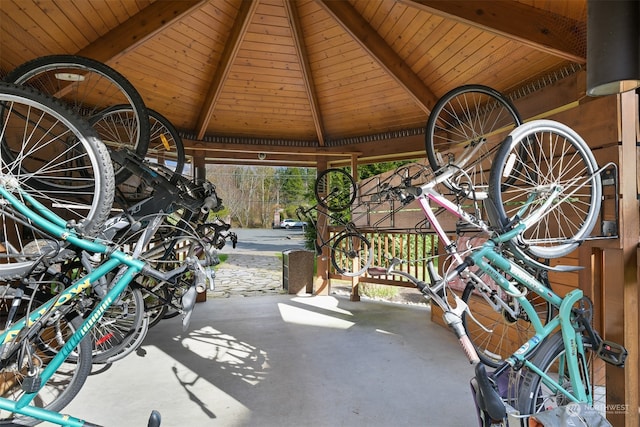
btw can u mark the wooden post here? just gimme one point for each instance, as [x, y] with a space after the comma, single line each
[621, 288]
[355, 281]
[322, 284]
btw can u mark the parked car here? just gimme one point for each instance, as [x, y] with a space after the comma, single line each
[292, 223]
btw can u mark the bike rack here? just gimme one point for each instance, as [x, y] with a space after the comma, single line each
[609, 227]
[609, 178]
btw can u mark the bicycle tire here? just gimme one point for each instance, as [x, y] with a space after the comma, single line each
[335, 189]
[165, 144]
[532, 161]
[52, 155]
[65, 383]
[347, 248]
[468, 118]
[121, 329]
[534, 396]
[506, 332]
[88, 87]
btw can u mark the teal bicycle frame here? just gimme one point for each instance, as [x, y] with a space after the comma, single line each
[491, 262]
[494, 264]
[55, 226]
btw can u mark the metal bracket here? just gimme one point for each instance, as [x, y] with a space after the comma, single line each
[609, 178]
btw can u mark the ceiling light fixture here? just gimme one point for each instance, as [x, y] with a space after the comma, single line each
[613, 50]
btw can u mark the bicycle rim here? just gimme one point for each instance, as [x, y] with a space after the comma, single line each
[65, 383]
[49, 154]
[165, 144]
[89, 87]
[507, 326]
[121, 329]
[351, 254]
[539, 157]
[335, 189]
[464, 129]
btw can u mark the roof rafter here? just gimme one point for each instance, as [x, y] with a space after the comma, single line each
[307, 76]
[560, 36]
[232, 46]
[377, 47]
[139, 28]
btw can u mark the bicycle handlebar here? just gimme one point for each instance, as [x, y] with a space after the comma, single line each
[488, 398]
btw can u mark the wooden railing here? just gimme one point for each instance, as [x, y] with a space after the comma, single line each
[415, 248]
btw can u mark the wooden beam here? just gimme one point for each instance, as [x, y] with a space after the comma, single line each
[307, 76]
[232, 46]
[408, 147]
[536, 28]
[377, 47]
[139, 28]
[630, 230]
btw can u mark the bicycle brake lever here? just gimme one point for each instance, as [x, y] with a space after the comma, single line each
[188, 301]
[477, 322]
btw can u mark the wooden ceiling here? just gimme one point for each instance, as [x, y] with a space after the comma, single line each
[297, 78]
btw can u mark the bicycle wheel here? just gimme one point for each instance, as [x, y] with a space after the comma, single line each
[65, 383]
[54, 157]
[88, 87]
[335, 189]
[121, 329]
[534, 395]
[351, 254]
[165, 144]
[546, 176]
[508, 324]
[464, 129]
[155, 302]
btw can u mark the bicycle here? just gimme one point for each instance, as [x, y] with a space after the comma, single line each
[182, 205]
[335, 191]
[552, 367]
[561, 187]
[48, 342]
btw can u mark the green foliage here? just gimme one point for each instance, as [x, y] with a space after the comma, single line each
[310, 236]
[373, 169]
[377, 291]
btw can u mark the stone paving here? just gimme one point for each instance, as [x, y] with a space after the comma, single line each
[255, 268]
[248, 273]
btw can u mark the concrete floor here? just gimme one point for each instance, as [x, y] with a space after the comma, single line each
[287, 360]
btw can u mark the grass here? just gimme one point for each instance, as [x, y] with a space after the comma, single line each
[372, 290]
[222, 258]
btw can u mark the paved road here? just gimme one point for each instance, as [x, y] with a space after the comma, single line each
[253, 267]
[266, 240]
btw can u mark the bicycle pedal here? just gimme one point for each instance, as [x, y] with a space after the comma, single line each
[32, 384]
[612, 353]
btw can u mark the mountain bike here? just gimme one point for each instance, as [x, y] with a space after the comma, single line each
[351, 251]
[56, 191]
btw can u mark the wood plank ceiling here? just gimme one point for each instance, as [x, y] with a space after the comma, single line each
[238, 77]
